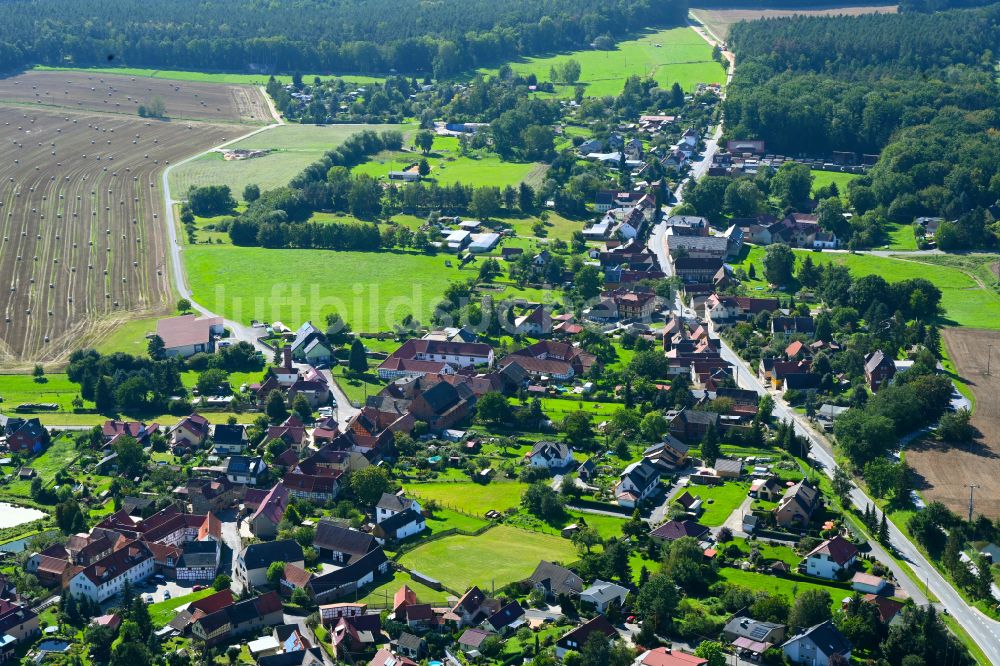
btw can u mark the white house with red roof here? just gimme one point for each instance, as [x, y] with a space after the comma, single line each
[131, 563]
[831, 557]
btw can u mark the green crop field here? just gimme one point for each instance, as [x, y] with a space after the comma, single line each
[202, 77]
[371, 290]
[449, 166]
[675, 55]
[824, 178]
[497, 557]
[474, 498]
[966, 302]
[293, 148]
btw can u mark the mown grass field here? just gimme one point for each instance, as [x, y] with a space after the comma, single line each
[718, 502]
[61, 452]
[293, 148]
[499, 556]
[966, 302]
[163, 611]
[449, 166]
[824, 178]
[380, 596]
[56, 388]
[474, 498]
[676, 55]
[784, 586]
[371, 290]
[203, 77]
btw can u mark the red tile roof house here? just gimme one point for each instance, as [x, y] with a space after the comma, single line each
[240, 618]
[667, 657]
[558, 360]
[265, 520]
[140, 432]
[133, 562]
[456, 354]
[189, 334]
[190, 433]
[24, 434]
[831, 557]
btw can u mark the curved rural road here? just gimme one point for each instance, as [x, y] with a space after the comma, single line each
[345, 409]
[983, 630]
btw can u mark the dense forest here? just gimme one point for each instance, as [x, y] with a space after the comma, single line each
[918, 89]
[362, 36]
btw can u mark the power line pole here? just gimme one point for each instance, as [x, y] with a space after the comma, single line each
[989, 353]
[972, 489]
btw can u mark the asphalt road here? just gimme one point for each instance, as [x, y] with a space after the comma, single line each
[985, 632]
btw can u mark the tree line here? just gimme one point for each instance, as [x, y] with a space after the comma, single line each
[368, 36]
[920, 89]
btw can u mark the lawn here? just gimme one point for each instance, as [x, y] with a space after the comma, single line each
[606, 526]
[293, 148]
[163, 611]
[371, 290]
[901, 238]
[59, 455]
[449, 167]
[128, 336]
[203, 77]
[559, 408]
[499, 556]
[676, 55]
[824, 178]
[790, 588]
[236, 379]
[470, 497]
[718, 502]
[446, 519]
[965, 302]
[381, 595]
[55, 388]
[359, 388]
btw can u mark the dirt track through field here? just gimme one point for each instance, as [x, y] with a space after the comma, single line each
[946, 469]
[111, 93]
[82, 238]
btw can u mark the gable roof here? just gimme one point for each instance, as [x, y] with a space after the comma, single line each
[838, 549]
[394, 502]
[261, 555]
[273, 505]
[826, 637]
[557, 579]
[333, 537]
[578, 636]
[506, 616]
[667, 657]
[676, 529]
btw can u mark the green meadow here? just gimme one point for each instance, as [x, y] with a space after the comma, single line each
[497, 557]
[449, 166]
[293, 148]
[966, 301]
[371, 290]
[676, 55]
[824, 178]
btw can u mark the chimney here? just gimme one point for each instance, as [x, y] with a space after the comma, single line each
[286, 354]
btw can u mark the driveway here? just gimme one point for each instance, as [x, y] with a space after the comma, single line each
[232, 545]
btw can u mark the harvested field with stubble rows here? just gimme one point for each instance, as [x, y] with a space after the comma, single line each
[109, 93]
[944, 468]
[81, 218]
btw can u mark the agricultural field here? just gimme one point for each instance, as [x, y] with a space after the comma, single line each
[83, 248]
[449, 166]
[676, 55]
[54, 388]
[112, 93]
[495, 558]
[291, 149]
[967, 299]
[945, 468]
[718, 21]
[371, 291]
[202, 77]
